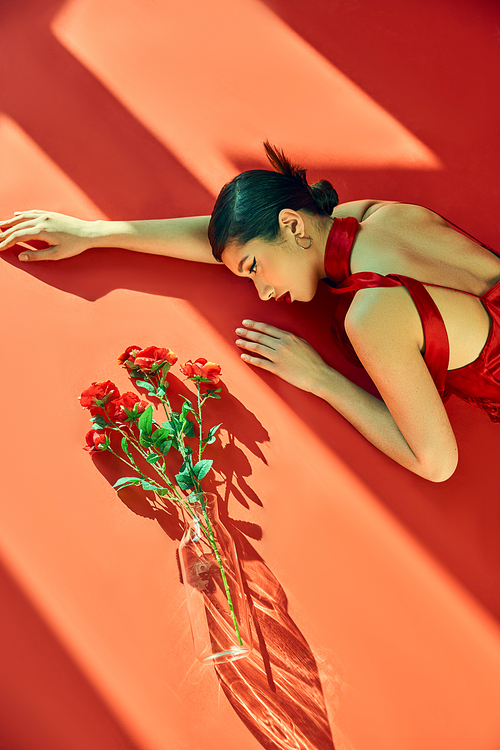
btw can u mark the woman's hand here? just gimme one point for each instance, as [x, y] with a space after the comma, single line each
[286, 355]
[66, 235]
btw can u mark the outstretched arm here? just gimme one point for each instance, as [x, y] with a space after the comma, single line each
[410, 424]
[184, 238]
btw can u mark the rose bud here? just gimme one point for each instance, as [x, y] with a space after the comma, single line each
[97, 440]
[201, 368]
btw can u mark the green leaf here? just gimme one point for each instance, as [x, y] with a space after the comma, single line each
[170, 430]
[187, 465]
[131, 414]
[210, 438]
[186, 407]
[148, 486]
[99, 421]
[144, 384]
[161, 440]
[202, 468]
[152, 458]
[125, 447]
[146, 420]
[136, 372]
[165, 491]
[164, 447]
[161, 433]
[126, 482]
[145, 440]
[162, 389]
[188, 429]
[173, 424]
[184, 480]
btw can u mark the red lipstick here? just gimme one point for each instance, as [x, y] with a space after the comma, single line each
[284, 297]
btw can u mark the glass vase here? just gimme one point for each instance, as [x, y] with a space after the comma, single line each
[216, 600]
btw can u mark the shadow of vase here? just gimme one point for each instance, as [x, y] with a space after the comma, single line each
[276, 690]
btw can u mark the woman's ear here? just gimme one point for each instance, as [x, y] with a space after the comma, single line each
[291, 221]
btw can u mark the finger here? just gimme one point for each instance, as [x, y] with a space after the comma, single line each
[50, 253]
[21, 235]
[14, 222]
[253, 346]
[264, 328]
[261, 338]
[31, 214]
[21, 224]
[264, 364]
[20, 216]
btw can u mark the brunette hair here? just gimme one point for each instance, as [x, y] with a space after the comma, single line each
[249, 205]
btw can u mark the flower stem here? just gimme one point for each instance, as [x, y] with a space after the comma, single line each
[139, 448]
[200, 423]
[208, 531]
[133, 465]
[210, 535]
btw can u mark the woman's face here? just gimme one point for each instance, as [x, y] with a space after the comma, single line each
[280, 271]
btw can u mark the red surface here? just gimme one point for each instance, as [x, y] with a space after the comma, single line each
[375, 593]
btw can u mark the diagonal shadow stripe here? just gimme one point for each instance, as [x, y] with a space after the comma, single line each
[46, 702]
[117, 162]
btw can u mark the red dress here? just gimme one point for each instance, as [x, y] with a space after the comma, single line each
[477, 382]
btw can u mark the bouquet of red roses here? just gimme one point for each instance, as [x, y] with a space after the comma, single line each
[141, 435]
[128, 427]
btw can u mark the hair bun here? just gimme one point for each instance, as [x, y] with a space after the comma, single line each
[283, 165]
[325, 196]
[323, 193]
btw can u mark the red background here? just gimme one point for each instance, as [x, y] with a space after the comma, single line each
[375, 592]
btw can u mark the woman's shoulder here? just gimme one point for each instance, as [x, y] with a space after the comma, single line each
[359, 209]
[364, 209]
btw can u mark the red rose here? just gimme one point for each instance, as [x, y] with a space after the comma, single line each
[128, 401]
[99, 394]
[97, 440]
[151, 359]
[200, 368]
[127, 358]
